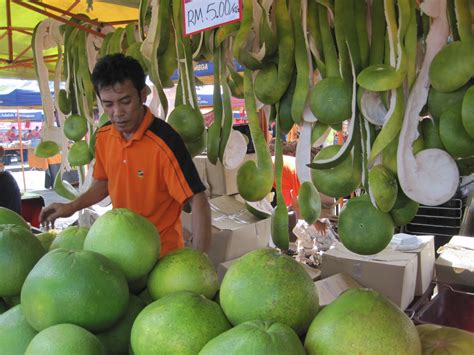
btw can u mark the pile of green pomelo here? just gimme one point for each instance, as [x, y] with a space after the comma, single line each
[105, 290]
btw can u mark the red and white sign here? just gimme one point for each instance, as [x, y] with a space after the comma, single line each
[201, 15]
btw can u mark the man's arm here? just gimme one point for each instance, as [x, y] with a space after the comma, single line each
[96, 193]
[201, 222]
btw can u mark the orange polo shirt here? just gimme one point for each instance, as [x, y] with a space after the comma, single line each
[151, 174]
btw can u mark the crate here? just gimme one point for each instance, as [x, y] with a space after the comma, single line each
[452, 307]
[442, 221]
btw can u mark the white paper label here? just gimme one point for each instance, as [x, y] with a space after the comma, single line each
[201, 15]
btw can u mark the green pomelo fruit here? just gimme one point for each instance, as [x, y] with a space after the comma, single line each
[404, 209]
[254, 183]
[437, 339]
[75, 127]
[179, 323]
[261, 209]
[256, 337]
[15, 332]
[79, 154]
[79, 287]
[309, 202]
[452, 67]
[380, 77]
[47, 149]
[71, 238]
[429, 129]
[453, 135]
[197, 146]
[338, 181]
[63, 102]
[46, 238]
[382, 327]
[8, 216]
[126, 238]
[363, 229]
[266, 285]
[103, 119]
[116, 340]
[19, 252]
[63, 339]
[439, 101]
[183, 270]
[331, 100]
[187, 122]
[383, 187]
[467, 112]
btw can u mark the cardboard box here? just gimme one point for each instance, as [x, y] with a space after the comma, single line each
[223, 181]
[330, 288]
[455, 264]
[235, 231]
[223, 267]
[426, 258]
[392, 273]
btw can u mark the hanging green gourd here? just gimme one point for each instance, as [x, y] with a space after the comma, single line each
[279, 219]
[254, 179]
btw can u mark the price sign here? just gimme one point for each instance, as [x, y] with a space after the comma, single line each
[201, 15]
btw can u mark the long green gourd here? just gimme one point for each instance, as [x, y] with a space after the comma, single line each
[314, 35]
[228, 116]
[214, 131]
[279, 75]
[301, 60]
[410, 43]
[187, 115]
[360, 17]
[243, 40]
[284, 107]
[340, 9]
[387, 76]
[279, 219]
[334, 89]
[378, 30]
[254, 180]
[464, 20]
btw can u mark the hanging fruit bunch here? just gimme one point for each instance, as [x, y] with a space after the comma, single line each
[398, 73]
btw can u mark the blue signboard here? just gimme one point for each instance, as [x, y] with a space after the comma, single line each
[29, 116]
[206, 69]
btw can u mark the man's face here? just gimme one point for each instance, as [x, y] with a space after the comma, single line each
[124, 106]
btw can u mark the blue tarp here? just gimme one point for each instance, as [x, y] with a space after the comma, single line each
[21, 98]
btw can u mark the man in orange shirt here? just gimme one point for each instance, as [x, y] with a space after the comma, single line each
[141, 162]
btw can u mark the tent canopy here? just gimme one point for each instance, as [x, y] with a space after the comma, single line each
[17, 23]
[21, 98]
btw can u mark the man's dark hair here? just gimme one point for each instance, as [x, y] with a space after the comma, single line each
[117, 68]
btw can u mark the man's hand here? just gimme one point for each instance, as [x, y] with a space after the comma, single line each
[201, 222]
[50, 213]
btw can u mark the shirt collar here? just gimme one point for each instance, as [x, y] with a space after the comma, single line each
[147, 119]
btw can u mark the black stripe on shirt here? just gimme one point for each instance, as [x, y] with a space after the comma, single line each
[174, 141]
